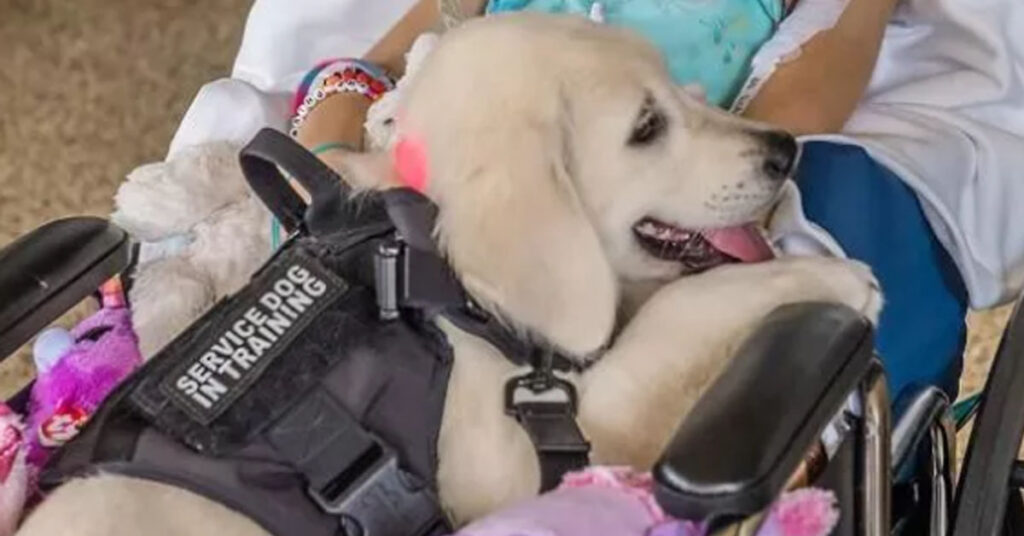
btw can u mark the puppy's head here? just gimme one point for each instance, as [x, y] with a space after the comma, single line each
[564, 161]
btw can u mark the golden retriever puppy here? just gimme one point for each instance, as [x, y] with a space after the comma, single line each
[589, 202]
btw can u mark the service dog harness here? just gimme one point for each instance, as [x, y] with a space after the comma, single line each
[311, 400]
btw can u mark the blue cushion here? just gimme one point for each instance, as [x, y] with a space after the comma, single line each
[877, 219]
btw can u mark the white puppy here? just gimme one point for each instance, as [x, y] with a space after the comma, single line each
[576, 186]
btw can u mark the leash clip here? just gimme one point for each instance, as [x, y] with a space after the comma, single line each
[540, 383]
[542, 387]
[545, 406]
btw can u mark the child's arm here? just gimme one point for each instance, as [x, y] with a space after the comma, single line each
[818, 91]
[390, 51]
[340, 117]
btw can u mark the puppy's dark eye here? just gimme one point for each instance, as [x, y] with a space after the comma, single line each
[650, 124]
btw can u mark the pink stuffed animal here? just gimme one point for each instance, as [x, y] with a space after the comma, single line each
[14, 474]
[617, 501]
[76, 371]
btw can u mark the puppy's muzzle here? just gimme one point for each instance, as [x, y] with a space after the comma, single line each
[780, 154]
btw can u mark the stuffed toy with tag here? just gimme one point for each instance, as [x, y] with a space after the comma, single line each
[76, 370]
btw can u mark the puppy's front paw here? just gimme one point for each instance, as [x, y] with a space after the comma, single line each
[863, 289]
[845, 281]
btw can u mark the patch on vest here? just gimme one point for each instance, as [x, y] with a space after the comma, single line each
[220, 366]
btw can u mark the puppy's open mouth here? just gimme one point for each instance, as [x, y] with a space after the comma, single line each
[699, 250]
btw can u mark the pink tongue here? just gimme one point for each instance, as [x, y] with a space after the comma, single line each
[744, 242]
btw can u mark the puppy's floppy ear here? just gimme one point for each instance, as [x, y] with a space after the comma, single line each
[515, 231]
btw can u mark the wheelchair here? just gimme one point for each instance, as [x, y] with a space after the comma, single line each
[804, 402]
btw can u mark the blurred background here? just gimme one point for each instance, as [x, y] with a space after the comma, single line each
[90, 89]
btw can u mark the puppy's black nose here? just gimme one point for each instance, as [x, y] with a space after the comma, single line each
[780, 150]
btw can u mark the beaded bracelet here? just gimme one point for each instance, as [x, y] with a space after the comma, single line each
[340, 76]
[316, 74]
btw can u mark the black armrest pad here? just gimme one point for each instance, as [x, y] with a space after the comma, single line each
[746, 436]
[47, 271]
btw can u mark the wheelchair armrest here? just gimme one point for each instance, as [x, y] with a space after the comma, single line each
[746, 436]
[46, 272]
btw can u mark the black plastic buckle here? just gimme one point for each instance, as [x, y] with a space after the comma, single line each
[381, 500]
[352, 473]
[539, 383]
[408, 277]
[387, 263]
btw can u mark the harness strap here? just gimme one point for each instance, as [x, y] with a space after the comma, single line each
[260, 160]
[410, 277]
[556, 437]
[548, 414]
[410, 273]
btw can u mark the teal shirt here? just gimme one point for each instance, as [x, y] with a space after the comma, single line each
[708, 42]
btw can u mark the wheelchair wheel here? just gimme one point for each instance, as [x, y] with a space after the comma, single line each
[1013, 524]
[988, 498]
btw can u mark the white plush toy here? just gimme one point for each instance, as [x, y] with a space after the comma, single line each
[201, 234]
[201, 231]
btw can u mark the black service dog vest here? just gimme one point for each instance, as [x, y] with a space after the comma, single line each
[311, 400]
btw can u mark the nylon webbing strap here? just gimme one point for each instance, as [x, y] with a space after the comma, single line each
[556, 437]
[260, 160]
[545, 406]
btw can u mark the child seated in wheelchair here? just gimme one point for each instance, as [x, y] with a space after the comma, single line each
[876, 218]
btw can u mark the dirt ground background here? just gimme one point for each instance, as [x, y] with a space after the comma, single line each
[91, 88]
